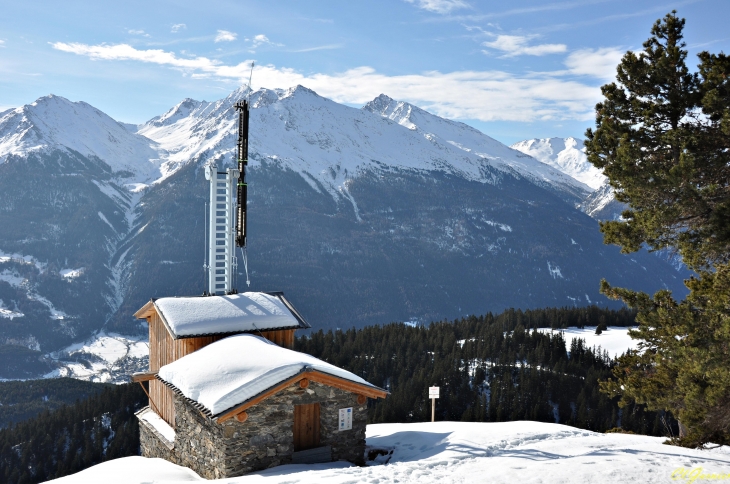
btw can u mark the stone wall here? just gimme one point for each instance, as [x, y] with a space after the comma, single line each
[152, 443]
[265, 439]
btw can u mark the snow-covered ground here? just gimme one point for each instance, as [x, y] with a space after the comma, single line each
[105, 357]
[456, 452]
[615, 339]
[8, 313]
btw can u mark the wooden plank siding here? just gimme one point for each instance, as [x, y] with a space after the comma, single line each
[164, 350]
[306, 426]
[283, 338]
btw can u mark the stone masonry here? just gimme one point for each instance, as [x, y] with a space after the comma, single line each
[265, 439]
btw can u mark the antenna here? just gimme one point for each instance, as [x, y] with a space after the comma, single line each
[242, 195]
[250, 76]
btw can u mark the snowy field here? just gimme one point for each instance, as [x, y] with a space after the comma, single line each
[105, 357]
[615, 339]
[461, 452]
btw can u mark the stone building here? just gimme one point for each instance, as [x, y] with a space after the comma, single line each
[229, 396]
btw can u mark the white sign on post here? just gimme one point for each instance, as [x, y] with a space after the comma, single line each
[433, 394]
[346, 418]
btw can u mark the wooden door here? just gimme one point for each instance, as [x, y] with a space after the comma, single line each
[306, 426]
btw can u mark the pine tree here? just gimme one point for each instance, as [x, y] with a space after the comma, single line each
[662, 139]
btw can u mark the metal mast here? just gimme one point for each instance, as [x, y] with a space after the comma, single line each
[227, 223]
[242, 196]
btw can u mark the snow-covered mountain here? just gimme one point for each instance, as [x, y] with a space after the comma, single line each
[451, 452]
[447, 135]
[55, 123]
[360, 215]
[331, 143]
[567, 155]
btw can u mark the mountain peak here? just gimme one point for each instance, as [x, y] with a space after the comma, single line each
[53, 122]
[298, 90]
[379, 105]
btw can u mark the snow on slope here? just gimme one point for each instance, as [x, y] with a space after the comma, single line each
[105, 357]
[565, 154]
[615, 339]
[464, 452]
[330, 143]
[599, 204]
[445, 132]
[53, 122]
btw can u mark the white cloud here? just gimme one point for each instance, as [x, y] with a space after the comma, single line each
[478, 95]
[177, 28]
[225, 36]
[320, 47]
[514, 45]
[138, 32]
[262, 39]
[598, 63]
[2, 43]
[440, 6]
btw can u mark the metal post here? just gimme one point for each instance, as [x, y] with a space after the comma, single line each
[433, 409]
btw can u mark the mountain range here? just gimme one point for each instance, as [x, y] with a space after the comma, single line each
[361, 216]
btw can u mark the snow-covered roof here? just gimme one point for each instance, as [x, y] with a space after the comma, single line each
[235, 313]
[233, 370]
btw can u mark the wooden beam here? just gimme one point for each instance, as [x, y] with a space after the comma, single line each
[347, 385]
[329, 380]
[143, 376]
[145, 311]
[242, 417]
[303, 383]
[154, 407]
[240, 408]
[361, 399]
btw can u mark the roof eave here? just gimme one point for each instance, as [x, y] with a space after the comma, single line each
[303, 324]
[232, 333]
[146, 311]
[370, 391]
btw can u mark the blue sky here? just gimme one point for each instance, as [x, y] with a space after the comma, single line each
[514, 70]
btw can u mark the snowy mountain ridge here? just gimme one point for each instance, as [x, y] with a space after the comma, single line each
[341, 141]
[193, 129]
[53, 122]
[567, 155]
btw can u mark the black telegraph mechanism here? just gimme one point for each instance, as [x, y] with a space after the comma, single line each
[242, 194]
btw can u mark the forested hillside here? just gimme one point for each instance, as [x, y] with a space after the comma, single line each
[490, 368]
[21, 400]
[73, 437]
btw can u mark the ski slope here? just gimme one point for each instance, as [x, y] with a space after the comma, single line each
[465, 452]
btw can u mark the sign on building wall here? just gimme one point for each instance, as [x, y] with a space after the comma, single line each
[346, 418]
